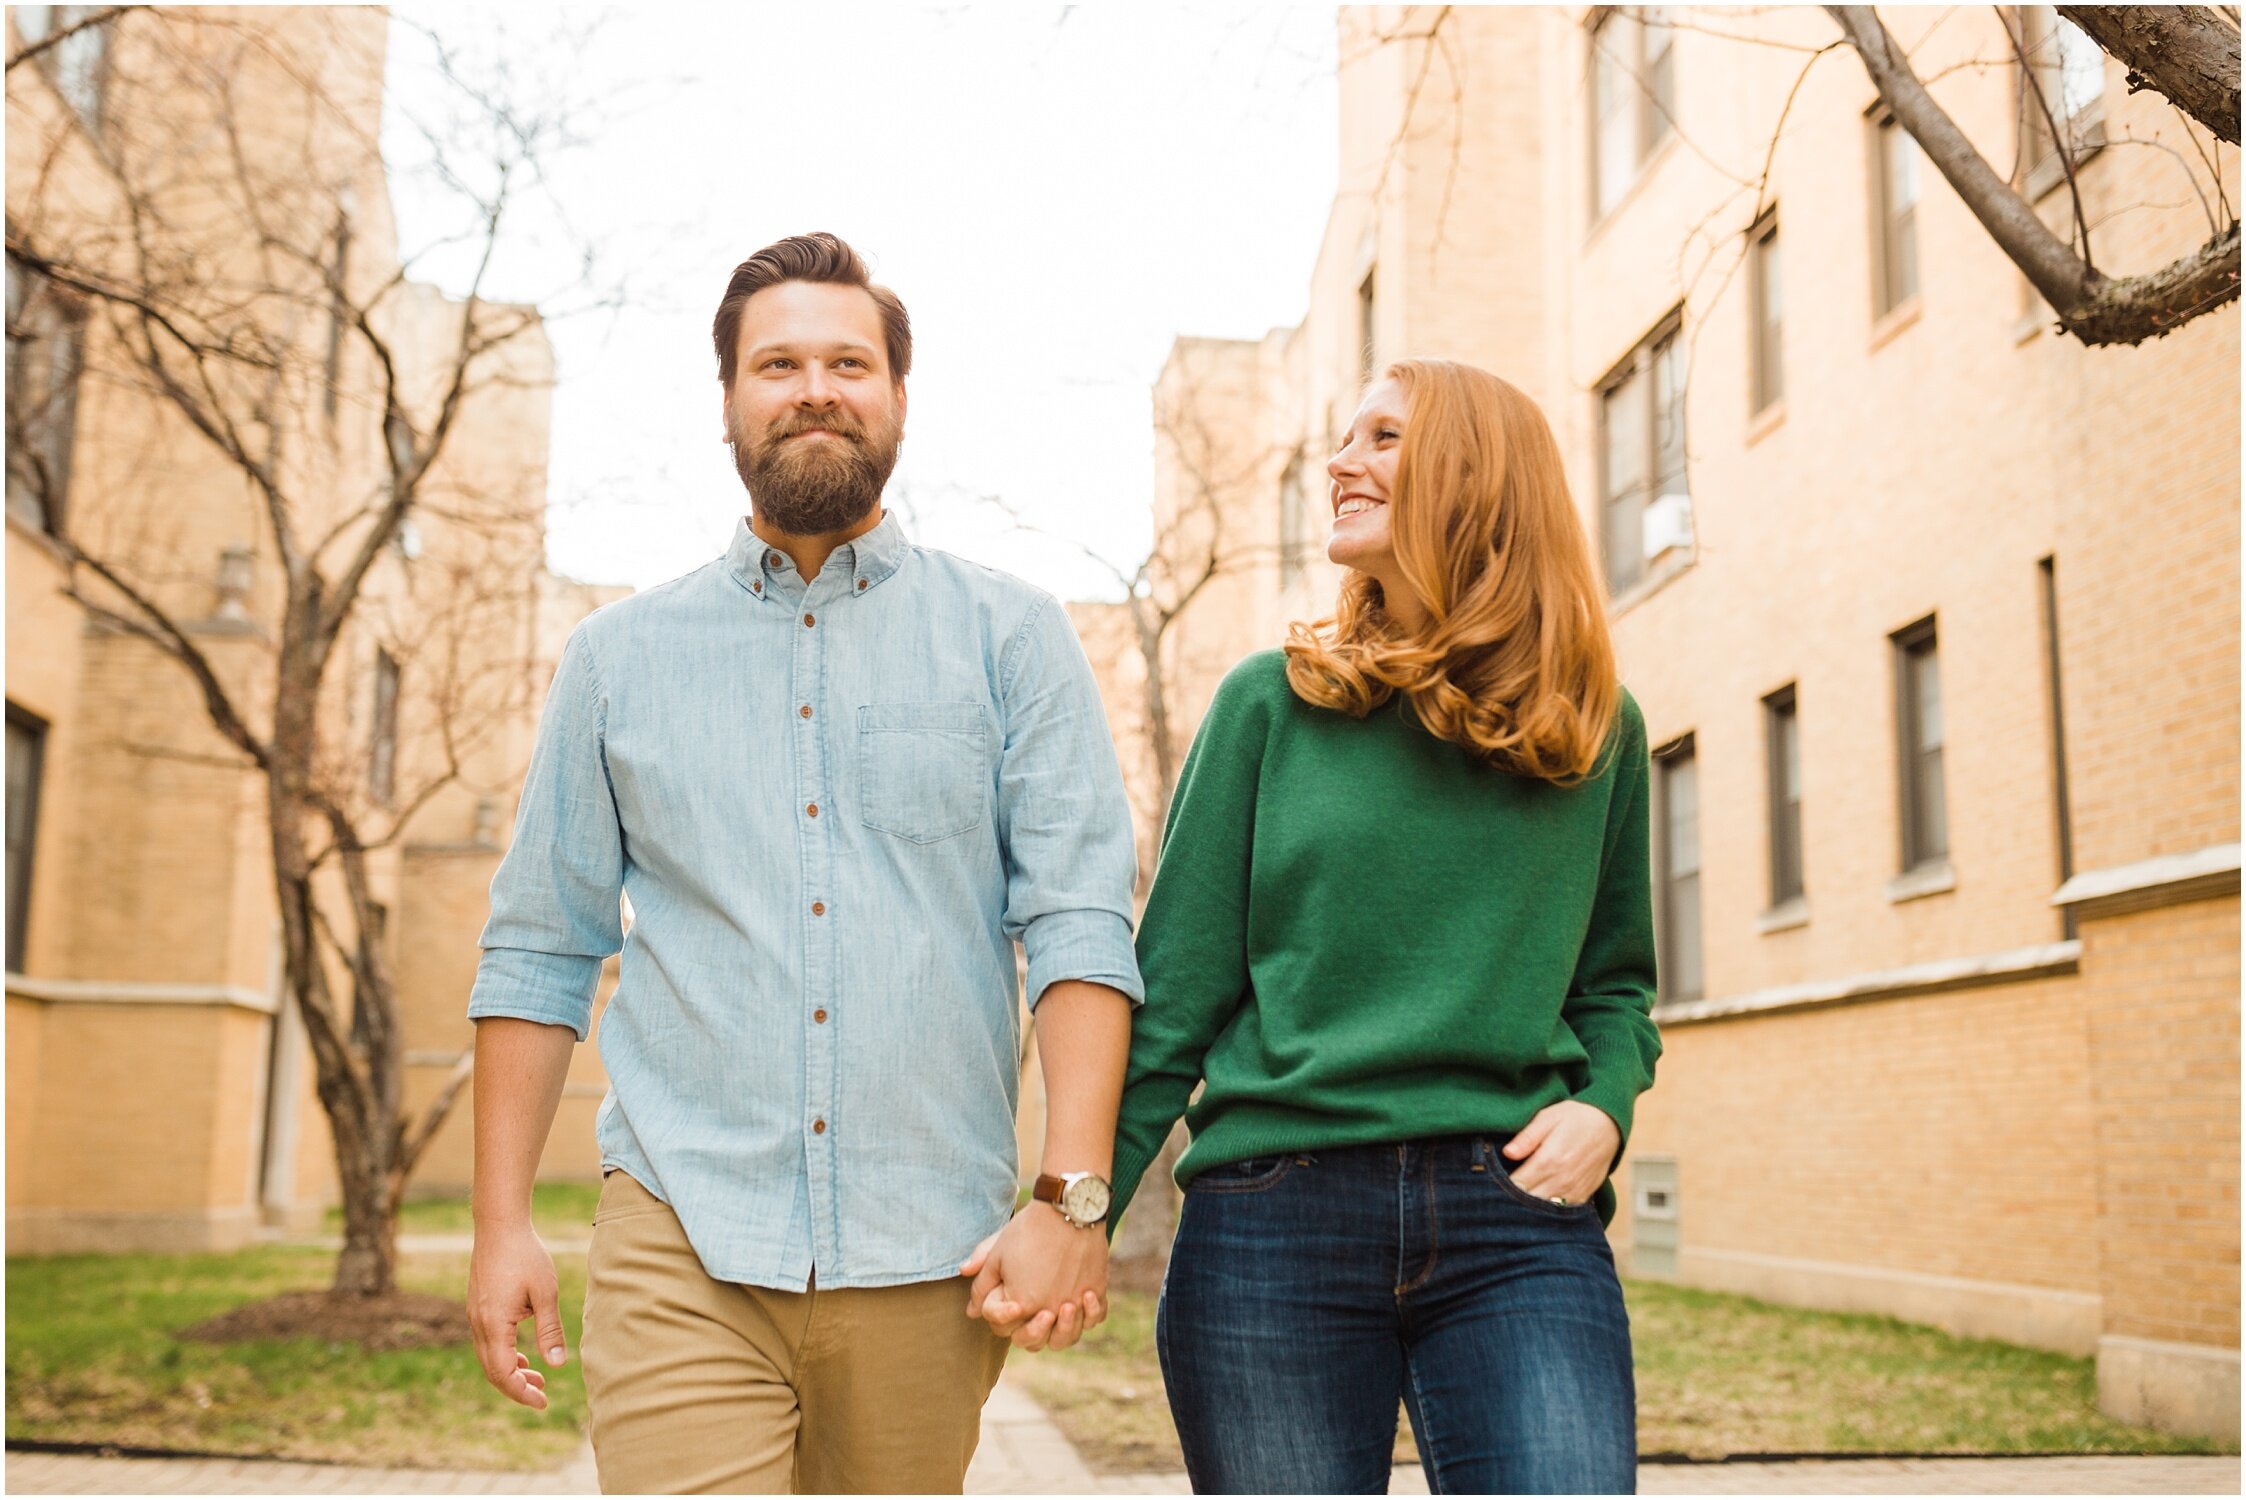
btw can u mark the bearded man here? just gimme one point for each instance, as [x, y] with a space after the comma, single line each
[838, 775]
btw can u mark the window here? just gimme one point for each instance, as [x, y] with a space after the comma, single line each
[1647, 509]
[27, 751]
[2064, 86]
[1895, 198]
[75, 65]
[382, 768]
[378, 932]
[1365, 359]
[1633, 98]
[1677, 871]
[46, 346]
[1918, 720]
[2047, 576]
[1291, 542]
[338, 269]
[1782, 738]
[1768, 371]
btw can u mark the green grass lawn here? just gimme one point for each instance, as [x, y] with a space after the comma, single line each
[560, 1210]
[92, 1357]
[1717, 1375]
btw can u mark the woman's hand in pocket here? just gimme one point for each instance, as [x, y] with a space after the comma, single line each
[1565, 1151]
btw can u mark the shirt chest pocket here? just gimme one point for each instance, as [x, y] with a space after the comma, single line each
[924, 769]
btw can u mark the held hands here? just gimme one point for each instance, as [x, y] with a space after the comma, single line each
[1564, 1152]
[510, 1278]
[1040, 1281]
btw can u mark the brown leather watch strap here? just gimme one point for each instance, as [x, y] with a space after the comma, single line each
[1048, 1189]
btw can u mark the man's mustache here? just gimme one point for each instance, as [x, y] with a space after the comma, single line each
[841, 424]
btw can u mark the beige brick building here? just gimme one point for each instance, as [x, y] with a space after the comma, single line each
[159, 1089]
[1933, 611]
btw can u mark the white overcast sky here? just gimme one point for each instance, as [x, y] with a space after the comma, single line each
[1055, 191]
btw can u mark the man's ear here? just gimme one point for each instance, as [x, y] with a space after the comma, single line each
[724, 415]
[900, 400]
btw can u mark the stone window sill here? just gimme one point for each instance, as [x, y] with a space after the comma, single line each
[1785, 916]
[1928, 879]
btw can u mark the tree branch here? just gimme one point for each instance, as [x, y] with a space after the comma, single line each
[2094, 308]
[2183, 52]
[54, 39]
[159, 629]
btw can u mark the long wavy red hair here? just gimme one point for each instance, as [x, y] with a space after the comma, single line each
[1514, 661]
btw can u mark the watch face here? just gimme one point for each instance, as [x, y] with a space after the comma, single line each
[1085, 1200]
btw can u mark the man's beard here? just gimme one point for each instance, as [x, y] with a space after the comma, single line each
[816, 486]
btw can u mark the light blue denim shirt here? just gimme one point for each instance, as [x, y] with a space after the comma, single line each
[834, 809]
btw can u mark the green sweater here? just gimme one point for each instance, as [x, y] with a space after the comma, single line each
[1358, 933]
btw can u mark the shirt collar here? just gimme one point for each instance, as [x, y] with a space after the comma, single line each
[754, 563]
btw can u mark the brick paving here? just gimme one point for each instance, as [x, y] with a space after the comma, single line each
[1023, 1453]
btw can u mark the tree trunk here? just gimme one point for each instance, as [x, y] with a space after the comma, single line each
[365, 1132]
[368, 1266]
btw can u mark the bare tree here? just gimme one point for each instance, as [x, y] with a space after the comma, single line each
[213, 227]
[1198, 544]
[2187, 53]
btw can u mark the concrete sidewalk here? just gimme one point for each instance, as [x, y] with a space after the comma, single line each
[1023, 1453]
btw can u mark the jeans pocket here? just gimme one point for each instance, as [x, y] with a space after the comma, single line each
[923, 769]
[1252, 1174]
[1500, 1171]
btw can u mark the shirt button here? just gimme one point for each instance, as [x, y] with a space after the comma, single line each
[818, 908]
[813, 809]
[772, 559]
[805, 710]
[861, 585]
[818, 1127]
[820, 1016]
[757, 587]
[809, 621]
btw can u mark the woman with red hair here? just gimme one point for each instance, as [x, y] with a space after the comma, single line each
[1401, 939]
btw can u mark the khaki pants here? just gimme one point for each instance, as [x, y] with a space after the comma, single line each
[699, 1385]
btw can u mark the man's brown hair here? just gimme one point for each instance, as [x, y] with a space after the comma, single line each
[807, 257]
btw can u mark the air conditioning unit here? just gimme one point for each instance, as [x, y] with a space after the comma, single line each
[1668, 524]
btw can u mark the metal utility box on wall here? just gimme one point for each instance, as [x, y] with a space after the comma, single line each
[1654, 1226]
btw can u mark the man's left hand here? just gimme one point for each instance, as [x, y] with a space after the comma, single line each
[1040, 1281]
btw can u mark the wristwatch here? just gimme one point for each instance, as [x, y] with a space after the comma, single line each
[1081, 1197]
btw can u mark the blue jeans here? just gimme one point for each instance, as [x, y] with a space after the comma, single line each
[1308, 1293]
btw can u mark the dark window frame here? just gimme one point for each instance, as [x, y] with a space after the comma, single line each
[1666, 760]
[331, 398]
[1922, 800]
[2047, 581]
[23, 851]
[1638, 364]
[1766, 363]
[1781, 744]
[2041, 169]
[44, 321]
[1647, 79]
[1896, 279]
[1368, 308]
[89, 110]
[1294, 539]
[382, 730]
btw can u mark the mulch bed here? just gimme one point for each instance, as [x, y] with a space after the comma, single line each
[400, 1320]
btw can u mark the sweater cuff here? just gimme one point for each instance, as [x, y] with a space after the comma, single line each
[1130, 1171]
[554, 989]
[1083, 943]
[1618, 1101]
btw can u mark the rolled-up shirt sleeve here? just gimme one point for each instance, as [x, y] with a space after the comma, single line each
[556, 900]
[1064, 820]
